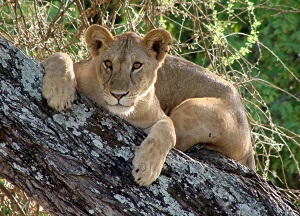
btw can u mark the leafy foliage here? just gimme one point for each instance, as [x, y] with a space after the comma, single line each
[255, 45]
[15, 202]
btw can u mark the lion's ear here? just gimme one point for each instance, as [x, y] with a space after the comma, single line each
[158, 41]
[97, 36]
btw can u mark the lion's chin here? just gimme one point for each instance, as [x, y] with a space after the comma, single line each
[122, 111]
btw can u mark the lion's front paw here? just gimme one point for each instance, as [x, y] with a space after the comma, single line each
[147, 163]
[59, 81]
[59, 92]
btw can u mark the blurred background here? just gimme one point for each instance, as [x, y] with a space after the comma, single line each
[254, 44]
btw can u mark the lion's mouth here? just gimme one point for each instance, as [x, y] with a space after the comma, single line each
[120, 110]
[121, 106]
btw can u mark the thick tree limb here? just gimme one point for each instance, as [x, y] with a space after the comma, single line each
[79, 162]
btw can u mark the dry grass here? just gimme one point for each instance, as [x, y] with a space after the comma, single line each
[41, 28]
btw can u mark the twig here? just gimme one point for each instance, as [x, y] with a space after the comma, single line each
[10, 196]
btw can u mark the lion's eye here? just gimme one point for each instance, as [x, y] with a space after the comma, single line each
[107, 64]
[136, 66]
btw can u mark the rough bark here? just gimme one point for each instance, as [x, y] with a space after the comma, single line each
[79, 162]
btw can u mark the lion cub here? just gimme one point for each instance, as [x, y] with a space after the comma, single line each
[176, 102]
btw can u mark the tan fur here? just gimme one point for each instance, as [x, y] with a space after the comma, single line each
[168, 97]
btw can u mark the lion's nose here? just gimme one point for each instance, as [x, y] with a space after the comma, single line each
[119, 95]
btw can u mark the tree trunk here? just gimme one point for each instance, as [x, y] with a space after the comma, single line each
[79, 162]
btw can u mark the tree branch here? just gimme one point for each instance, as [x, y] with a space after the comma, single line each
[79, 162]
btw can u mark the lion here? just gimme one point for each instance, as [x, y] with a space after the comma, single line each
[177, 103]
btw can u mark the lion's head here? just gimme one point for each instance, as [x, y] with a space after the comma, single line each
[126, 65]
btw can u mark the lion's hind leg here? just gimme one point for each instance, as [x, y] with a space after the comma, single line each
[59, 84]
[216, 124]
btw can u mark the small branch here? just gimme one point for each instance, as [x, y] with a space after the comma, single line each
[12, 199]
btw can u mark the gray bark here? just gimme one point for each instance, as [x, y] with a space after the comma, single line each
[79, 162]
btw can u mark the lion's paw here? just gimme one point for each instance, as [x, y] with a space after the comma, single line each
[59, 81]
[147, 163]
[59, 92]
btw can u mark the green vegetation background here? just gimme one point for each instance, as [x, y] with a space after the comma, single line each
[280, 33]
